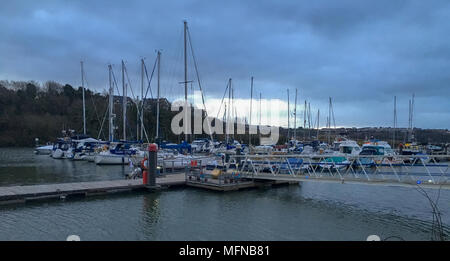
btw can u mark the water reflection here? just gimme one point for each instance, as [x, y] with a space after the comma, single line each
[20, 166]
[150, 215]
[191, 214]
[310, 211]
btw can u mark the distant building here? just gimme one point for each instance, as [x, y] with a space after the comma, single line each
[164, 104]
[148, 103]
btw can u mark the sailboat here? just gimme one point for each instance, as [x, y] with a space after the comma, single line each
[82, 148]
[179, 160]
[60, 148]
[122, 152]
[119, 153]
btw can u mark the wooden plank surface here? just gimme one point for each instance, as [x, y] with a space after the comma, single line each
[7, 193]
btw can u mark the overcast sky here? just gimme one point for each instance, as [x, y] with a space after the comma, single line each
[360, 53]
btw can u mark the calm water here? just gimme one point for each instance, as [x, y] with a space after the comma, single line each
[311, 211]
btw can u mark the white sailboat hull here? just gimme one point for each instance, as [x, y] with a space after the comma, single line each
[69, 154]
[112, 159]
[79, 156]
[90, 158]
[44, 150]
[58, 154]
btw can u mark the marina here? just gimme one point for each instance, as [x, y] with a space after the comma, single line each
[252, 171]
[309, 211]
[212, 122]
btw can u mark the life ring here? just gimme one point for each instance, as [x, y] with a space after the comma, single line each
[143, 164]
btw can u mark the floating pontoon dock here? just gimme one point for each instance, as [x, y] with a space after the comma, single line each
[20, 194]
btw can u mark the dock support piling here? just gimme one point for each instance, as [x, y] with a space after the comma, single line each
[152, 162]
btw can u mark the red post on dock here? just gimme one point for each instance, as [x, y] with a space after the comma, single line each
[144, 172]
[151, 163]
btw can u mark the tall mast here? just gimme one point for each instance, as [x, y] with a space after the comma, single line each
[304, 122]
[304, 117]
[395, 121]
[157, 96]
[409, 121]
[84, 103]
[250, 120]
[111, 104]
[295, 116]
[288, 118]
[412, 118]
[233, 109]
[260, 113]
[409, 115]
[225, 115]
[229, 111]
[142, 99]
[318, 123]
[137, 118]
[309, 120]
[185, 80]
[329, 121]
[332, 114]
[412, 112]
[124, 103]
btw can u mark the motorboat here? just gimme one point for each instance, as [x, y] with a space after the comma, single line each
[376, 148]
[349, 148]
[339, 159]
[414, 150]
[44, 150]
[334, 163]
[381, 148]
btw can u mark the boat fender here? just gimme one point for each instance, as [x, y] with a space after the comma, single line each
[193, 163]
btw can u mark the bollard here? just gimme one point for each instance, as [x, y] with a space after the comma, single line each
[145, 177]
[152, 162]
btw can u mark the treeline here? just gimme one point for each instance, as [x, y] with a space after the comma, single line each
[29, 110]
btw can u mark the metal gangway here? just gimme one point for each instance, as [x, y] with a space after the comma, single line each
[410, 170]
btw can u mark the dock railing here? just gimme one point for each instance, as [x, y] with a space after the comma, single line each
[177, 164]
[410, 169]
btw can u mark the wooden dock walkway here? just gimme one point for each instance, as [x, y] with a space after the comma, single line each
[17, 194]
[23, 194]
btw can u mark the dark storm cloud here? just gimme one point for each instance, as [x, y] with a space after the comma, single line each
[361, 53]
